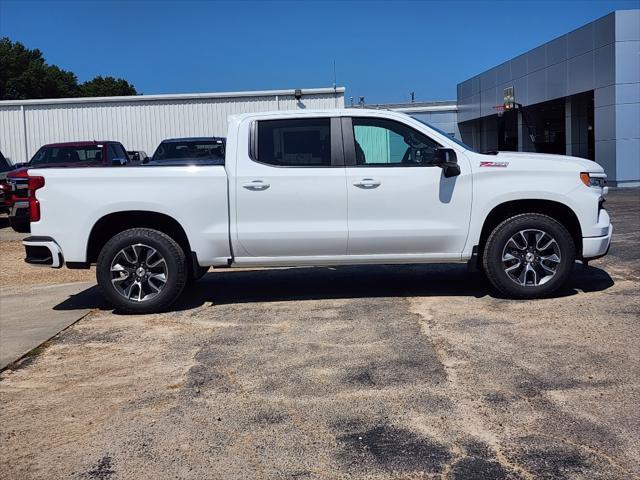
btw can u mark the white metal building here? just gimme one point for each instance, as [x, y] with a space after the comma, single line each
[140, 122]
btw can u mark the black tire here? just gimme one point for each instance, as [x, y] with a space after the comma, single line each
[20, 225]
[175, 274]
[496, 244]
[199, 273]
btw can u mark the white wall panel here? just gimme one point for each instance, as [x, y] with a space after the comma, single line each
[12, 142]
[140, 123]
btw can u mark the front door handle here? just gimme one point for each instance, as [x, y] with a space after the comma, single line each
[256, 185]
[368, 183]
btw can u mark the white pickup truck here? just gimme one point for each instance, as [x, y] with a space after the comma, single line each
[336, 187]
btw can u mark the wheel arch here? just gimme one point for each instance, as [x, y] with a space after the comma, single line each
[556, 210]
[113, 223]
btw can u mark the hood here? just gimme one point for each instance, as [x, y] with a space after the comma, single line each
[18, 172]
[545, 161]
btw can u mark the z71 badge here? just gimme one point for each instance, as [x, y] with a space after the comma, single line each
[494, 164]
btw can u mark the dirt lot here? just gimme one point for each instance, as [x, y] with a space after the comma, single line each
[17, 275]
[371, 372]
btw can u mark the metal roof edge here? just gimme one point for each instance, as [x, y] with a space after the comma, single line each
[169, 97]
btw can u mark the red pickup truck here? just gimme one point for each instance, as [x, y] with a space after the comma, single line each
[71, 154]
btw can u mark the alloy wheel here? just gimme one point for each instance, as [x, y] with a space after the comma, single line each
[138, 272]
[531, 257]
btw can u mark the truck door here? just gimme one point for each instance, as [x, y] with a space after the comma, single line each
[398, 201]
[291, 195]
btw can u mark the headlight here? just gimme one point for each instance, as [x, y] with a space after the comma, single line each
[593, 179]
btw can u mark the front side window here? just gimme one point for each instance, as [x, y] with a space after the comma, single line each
[380, 142]
[304, 142]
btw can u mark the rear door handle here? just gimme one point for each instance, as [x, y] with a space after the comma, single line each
[368, 183]
[256, 185]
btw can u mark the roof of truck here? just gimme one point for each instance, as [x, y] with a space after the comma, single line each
[86, 143]
[192, 139]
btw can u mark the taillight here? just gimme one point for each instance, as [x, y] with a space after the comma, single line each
[34, 184]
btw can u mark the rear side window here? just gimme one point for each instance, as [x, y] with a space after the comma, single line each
[304, 142]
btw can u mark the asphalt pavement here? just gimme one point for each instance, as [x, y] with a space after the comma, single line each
[381, 372]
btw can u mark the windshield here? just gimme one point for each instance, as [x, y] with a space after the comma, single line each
[190, 149]
[4, 165]
[67, 155]
[442, 132]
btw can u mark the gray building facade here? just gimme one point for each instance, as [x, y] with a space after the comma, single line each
[578, 94]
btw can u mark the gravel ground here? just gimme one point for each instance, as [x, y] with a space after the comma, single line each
[370, 372]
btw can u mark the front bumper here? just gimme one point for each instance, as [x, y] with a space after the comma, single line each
[43, 252]
[596, 247]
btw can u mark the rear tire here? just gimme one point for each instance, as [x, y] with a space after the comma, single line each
[20, 225]
[141, 270]
[529, 256]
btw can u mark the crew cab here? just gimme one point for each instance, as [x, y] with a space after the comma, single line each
[57, 155]
[352, 186]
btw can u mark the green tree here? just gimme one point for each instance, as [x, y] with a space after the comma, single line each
[25, 74]
[107, 87]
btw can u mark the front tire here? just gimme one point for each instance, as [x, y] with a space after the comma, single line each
[141, 270]
[529, 256]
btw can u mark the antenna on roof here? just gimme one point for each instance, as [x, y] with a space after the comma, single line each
[335, 84]
[413, 97]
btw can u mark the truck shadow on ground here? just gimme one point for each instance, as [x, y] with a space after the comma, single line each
[324, 283]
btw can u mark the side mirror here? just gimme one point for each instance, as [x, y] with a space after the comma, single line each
[145, 160]
[119, 161]
[447, 159]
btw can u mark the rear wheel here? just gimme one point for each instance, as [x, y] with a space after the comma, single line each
[20, 224]
[141, 270]
[529, 256]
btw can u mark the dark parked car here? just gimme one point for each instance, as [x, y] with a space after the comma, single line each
[70, 154]
[190, 151]
[5, 168]
[137, 156]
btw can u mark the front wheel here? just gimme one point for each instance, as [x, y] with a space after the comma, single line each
[141, 271]
[529, 256]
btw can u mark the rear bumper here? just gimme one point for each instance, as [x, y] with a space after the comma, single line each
[43, 252]
[20, 209]
[595, 247]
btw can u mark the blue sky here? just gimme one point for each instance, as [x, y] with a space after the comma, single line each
[382, 50]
